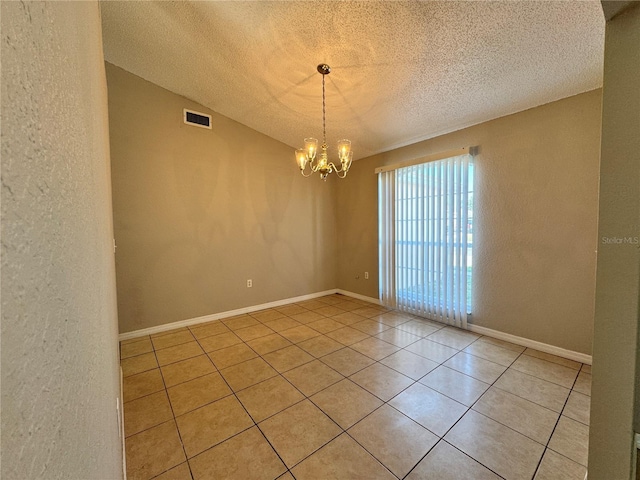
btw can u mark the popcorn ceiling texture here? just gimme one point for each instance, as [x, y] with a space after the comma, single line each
[401, 71]
[60, 375]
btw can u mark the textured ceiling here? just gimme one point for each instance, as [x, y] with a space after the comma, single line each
[401, 71]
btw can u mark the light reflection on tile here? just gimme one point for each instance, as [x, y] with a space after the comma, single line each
[410, 381]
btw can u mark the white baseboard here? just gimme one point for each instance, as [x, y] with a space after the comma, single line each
[217, 316]
[525, 342]
[359, 297]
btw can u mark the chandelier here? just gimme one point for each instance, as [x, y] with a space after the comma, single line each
[307, 156]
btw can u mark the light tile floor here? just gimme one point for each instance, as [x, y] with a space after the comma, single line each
[338, 388]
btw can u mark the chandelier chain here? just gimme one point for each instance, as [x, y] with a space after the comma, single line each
[324, 122]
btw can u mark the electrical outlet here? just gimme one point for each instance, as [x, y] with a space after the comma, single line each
[366, 275]
[249, 283]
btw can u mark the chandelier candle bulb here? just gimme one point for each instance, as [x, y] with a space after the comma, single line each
[307, 155]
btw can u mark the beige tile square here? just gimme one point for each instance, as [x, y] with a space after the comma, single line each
[502, 343]
[552, 372]
[298, 431]
[268, 344]
[476, 367]
[307, 317]
[375, 348]
[204, 330]
[381, 380]
[256, 331]
[138, 364]
[287, 358]
[583, 383]
[281, 324]
[571, 439]
[325, 325]
[586, 368]
[247, 373]
[578, 407]
[240, 321]
[553, 358]
[311, 304]
[429, 408]
[312, 377]
[342, 459]
[370, 327]
[454, 338]
[243, 457]
[142, 384]
[394, 439]
[432, 350]
[186, 370]
[456, 385]
[267, 315]
[146, 412]
[493, 353]
[410, 364]
[393, 319]
[171, 339]
[320, 346]
[177, 353]
[226, 357]
[347, 361]
[348, 305]
[299, 334]
[523, 416]
[505, 451]
[332, 299]
[329, 311]
[269, 397]
[291, 309]
[286, 476]
[169, 332]
[445, 462]
[217, 342]
[209, 425]
[347, 335]
[143, 345]
[153, 451]
[181, 472]
[421, 328]
[348, 318]
[534, 389]
[197, 393]
[135, 340]
[346, 403]
[398, 337]
[369, 311]
[557, 467]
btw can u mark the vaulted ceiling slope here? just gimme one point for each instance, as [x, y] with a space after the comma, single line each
[401, 71]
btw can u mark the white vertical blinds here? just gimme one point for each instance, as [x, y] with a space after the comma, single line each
[425, 235]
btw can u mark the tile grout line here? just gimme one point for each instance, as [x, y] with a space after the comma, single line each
[343, 346]
[175, 422]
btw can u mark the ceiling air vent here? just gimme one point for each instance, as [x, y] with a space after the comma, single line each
[197, 119]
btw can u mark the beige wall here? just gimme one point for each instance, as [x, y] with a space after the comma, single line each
[536, 197]
[615, 351]
[60, 369]
[198, 212]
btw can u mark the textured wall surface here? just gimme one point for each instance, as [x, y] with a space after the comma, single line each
[197, 212]
[616, 352]
[60, 374]
[536, 203]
